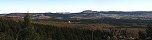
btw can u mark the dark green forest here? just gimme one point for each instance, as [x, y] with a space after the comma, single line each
[26, 30]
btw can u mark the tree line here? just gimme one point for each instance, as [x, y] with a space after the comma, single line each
[26, 30]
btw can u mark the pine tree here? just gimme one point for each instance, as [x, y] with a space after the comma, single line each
[28, 31]
[27, 20]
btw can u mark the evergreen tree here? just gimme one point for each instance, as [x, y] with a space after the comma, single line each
[27, 20]
[28, 31]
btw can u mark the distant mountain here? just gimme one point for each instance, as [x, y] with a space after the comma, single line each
[88, 14]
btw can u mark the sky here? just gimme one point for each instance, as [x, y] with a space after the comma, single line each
[36, 6]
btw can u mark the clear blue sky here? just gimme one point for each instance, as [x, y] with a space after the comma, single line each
[7, 6]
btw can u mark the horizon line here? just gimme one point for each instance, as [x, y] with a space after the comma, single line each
[72, 12]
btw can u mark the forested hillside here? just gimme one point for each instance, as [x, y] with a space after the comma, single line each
[26, 30]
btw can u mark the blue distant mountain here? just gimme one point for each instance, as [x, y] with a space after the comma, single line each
[92, 15]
